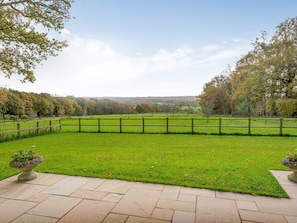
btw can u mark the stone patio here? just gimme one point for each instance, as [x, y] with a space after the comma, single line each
[58, 198]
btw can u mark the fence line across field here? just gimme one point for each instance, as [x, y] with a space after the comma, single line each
[175, 125]
[17, 130]
[242, 126]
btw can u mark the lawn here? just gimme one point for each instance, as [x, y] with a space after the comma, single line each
[227, 163]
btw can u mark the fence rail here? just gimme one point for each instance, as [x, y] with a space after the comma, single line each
[17, 130]
[220, 126]
[245, 126]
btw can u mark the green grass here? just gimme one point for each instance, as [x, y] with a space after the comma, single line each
[227, 163]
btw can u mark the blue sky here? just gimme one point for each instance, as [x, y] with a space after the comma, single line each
[152, 47]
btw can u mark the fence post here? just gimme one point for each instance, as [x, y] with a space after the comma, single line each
[98, 124]
[142, 125]
[192, 125]
[220, 126]
[167, 121]
[281, 126]
[60, 124]
[79, 124]
[37, 128]
[120, 125]
[19, 130]
[51, 126]
[249, 126]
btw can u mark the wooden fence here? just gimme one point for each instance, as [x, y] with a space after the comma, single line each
[242, 126]
[219, 126]
[17, 130]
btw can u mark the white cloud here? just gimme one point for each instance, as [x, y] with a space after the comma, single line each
[236, 39]
[90, 67]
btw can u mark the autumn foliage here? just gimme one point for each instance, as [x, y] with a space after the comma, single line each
[263, 81]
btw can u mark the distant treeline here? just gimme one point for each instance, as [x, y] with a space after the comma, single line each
[15, 104]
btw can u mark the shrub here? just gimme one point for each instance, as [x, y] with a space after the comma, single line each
[286, 107]
[24, 117]
[13, 117]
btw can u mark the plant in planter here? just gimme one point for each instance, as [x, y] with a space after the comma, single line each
[290, 161]
[25, 161]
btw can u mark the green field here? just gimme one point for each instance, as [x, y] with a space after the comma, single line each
[227, 163]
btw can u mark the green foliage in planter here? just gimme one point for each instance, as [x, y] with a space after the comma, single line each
[23, 156]
[292, 156]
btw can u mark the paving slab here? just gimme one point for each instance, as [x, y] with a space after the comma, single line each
[291, 219]
[134, 219]
[181, 217]
[55, 206]
[277, 205]
[162, 214]
[288, 186]
[3, 190]
[12, 209]
[66, 186]
[191, 198]
[247, 205]
[89, 211]
[88, 194]
[27, 218]
[170, 193]
[115, 186]
[47, 179]
[92, 184]
[22, 191]
[211, 209]
[111, 197]
[261, 217]
[138, 202]
[115, 218]
[176, 205]
[38, 198]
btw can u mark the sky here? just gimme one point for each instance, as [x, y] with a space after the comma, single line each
[142, 48]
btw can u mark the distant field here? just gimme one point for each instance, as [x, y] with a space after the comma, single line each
[228, 163]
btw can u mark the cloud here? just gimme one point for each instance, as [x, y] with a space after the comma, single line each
[90, 67]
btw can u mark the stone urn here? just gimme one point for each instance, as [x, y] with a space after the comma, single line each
[293, 166]
[27, 168]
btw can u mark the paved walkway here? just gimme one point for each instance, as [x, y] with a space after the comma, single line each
[59, 198]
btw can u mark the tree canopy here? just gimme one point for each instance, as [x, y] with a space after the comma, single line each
[264, 81]
[24, 34]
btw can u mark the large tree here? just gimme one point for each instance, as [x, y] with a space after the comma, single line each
[216, 96]
[24, 34]
[268, 73]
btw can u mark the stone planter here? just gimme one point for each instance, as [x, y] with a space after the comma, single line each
[293, 166]
[27, 168]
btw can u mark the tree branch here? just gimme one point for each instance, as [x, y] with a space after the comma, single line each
[3, 4]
